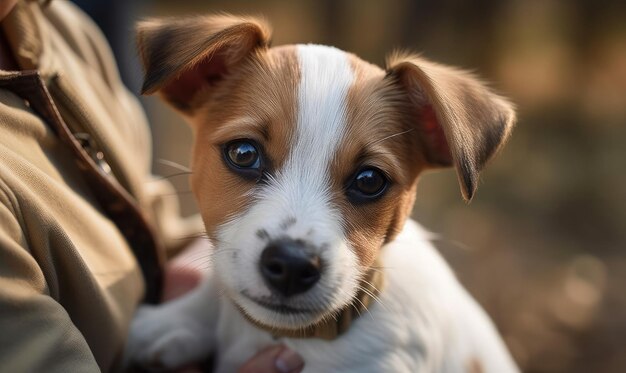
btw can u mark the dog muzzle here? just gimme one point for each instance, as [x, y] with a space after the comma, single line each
[333, 327]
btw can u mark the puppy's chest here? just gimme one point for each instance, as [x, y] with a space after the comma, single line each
[362, 349]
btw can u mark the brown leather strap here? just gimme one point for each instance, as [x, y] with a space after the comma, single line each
[116, 202]
[334, 326]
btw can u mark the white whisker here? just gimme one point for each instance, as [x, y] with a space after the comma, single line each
[391, 136]
[173, 164]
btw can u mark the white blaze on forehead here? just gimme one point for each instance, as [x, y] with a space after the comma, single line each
[325, 79]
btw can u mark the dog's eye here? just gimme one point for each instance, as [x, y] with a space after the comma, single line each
[368, 184]
[244, 157]
[242, 154]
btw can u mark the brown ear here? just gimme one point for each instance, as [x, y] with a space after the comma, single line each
[460, 122]
[182, 56]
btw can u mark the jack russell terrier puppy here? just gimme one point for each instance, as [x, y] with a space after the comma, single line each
[305, 168]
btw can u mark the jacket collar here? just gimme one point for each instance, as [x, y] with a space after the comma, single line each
[28, 38]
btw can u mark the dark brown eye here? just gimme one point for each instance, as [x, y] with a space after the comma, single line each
[369, 182]
[367, 185]
[243, 154]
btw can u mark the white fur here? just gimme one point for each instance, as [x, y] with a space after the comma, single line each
[425, 322]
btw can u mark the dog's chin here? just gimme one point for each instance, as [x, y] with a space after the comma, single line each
[279, 315]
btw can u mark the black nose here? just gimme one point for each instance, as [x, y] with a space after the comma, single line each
[288, 268]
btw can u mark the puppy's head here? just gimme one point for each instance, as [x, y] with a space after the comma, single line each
[306, 158]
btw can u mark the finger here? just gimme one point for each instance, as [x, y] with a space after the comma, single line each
[288, 361]
[275, 359]
[262, 362]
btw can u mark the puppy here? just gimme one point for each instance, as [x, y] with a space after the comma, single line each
[305, 168]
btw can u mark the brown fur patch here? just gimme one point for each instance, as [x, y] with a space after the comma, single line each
[258, 101]
[378, 135]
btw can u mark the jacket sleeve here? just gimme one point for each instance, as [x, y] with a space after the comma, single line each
[36, 334]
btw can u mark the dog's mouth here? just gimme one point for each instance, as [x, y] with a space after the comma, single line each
[281, 307]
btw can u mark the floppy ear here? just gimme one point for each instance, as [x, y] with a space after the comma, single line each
[459, 121]
[184, 56]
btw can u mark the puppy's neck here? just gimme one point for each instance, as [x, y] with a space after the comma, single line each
[334, 326]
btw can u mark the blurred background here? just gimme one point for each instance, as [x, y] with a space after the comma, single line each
[543, 244]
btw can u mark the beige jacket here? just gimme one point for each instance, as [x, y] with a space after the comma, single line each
[76, 198]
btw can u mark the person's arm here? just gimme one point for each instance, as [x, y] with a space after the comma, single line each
[36, 334]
